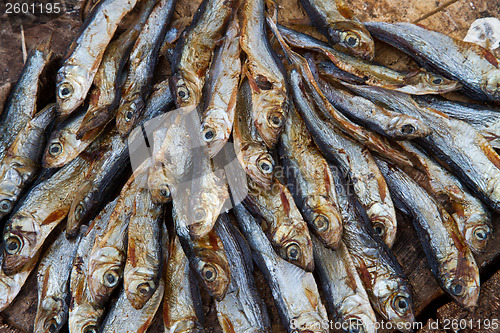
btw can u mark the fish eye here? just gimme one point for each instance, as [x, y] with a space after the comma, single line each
[200, 214]
[111, 278]
[209, 273]
[13, 245]
[65, 90]
[355, 326]
[265, 165]
[129, 115]
[401, 304]
[276, 119]
[79, 211]
[144, 288]
[436, 80]
[51, 325]
[351, 39]
[456, 288]
[90, 329]
[5, 205]
[293, 252]
[183, 93]
[407, 129]
[321, 223]
[165, 193]
[208, 134]
[55, 149]
[481, 233]
[379, 229]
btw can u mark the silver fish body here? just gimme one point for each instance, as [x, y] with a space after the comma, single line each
[21, 105]
[124, 318]
[22, 160]
[53, 284]
[84, 314]
[298, 303]
[182, 308]
[457, 144]
[469, 63]
[76, 75]
[385, 283]
[344, 292]
[335, 20]
[357, 163]
[142, 61]
[242, 309]
[221, 89]
[451, 261]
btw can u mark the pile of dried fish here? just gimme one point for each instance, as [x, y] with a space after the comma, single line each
[283, 150]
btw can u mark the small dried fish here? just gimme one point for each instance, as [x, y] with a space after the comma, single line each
[385, 283]
[107, 257]
[344, 292]
[63, 145]
[53, 287]
[284, 226]
[105, 95]
[252, 152]
[43, 208]
[84, 56]
[194, 49]
[142, 61]
[356, 162]
[335, 20]
[417, 83]
[450, 259]
[221, 91]
[242, 309]
[469, 63]
[124, 318]
[299, 304]
[309, 174]
[21, 104]
[84, 314]
[142, 270]
[265, 73]
[182, 308]
[206, 256]
[21, 161]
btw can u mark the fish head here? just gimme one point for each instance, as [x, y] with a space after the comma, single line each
[10, 188]
[407, 128]
[140, 283]
[71, 89]
[83, 200]
[51, 315]
[213, 271]
[85, 318]
[397, 301]
[259, 165]
[128, 113]
[186, 88]
[20, 242]
[459, 277]
[323, 215]
[270, 123]
[215, 130]
[352, 38]
[492, 84]
[430, 82]
[105, 272]
[294, 245]
[207, 204]
[477, 235]
[60, 150]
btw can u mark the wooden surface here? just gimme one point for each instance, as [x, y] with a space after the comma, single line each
[450, 17]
